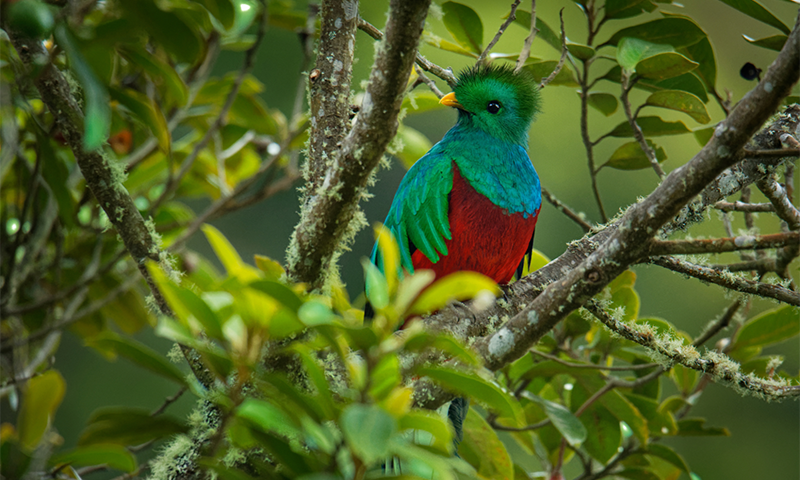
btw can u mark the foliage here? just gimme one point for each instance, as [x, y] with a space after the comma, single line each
[292, 383]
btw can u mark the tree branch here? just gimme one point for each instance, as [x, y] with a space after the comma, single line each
[331, 214]
[511, 17]
[719, 245]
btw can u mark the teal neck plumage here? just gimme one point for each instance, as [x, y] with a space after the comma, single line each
[497, 168]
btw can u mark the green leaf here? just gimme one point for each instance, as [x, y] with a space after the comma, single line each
[695, 427]
[684, 378]
[160, 73]
[630, 156]
[659, 422]
[114, 456]
[317, 377]
[483, 391]
[146, 111]
[459, 286]
[384, 377]
[227, 255]
[445, 343]
[682, 102]
[432, 423]
[523, 19]
[439, 42]
[618, 9]
[651, 126]
[376, 287]
[703, 53]
[770, 327]
[272, 268]
[631, 51]
[666, 453]
[368, 430]
[464, 25]
[755, 10]
[267, 417]
[171, 29]
[604, 103]
[97, 114]
[414, 145]
[483, 450]
[605, 439]
[774, 42]
[280, 292]
[581, 52]
[638, 474]
[541, 70]
[421, 102]
[565, 421]
[665, 65]
[675, 31]
[222, 10]
[43, 395]
[128, 426]
[54, 172]
[139, 354]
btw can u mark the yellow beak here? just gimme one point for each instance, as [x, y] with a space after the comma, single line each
[450, 101]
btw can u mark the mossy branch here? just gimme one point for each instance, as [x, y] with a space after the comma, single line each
[104, 179]
[329, 211]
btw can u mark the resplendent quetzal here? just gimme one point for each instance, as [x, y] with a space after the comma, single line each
[472, 201]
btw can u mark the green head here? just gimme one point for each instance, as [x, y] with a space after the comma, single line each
[496, 100]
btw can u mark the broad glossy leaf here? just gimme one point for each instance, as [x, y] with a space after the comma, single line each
[618, 9]
[688, 82]
[630, 156]
[632, 50]
[634, 473]
[446, 45]
[414, 144]
[675, 31]
[666, 453]
[772, 326]
[313, 313]
[755, 10]
[317, 377]
[453, 348]
[421, 101]
[368, 430]
[651, 126]
[389, 255]
[97, 114]
[665, 65]
[483, 450]
[605, 438]
[542, 70]
[146, 111]
[773, 42]
[228, 255]
[43, 395]
[384, 377]
[138, 353]
[684, 378]
[581, 52]
[128, 426]
[682, 102]
[483, 391]
[659, 422]
[604, 103]
[565, 421]
[464, 25]
[703, 53]
[115, 456]
[696, 427]
[456, 286]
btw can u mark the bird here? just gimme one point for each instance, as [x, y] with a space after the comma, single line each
[472, 201]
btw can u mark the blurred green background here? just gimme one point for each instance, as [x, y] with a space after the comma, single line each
[765, 441]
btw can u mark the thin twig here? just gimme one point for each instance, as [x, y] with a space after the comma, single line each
[627, 84]
[738, 206]
[578, 218]
[592, 366]
[526, 48]
[564, 52]
[718, 325]
[511, 17]
[425, 64]
[720, 245]
[427, 81]
[780, 200]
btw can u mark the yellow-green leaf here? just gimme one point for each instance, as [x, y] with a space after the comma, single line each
[456, 286]
[682, 102]
[483, 450]
[772, 326]
[114, 456]
[464, 25]
[43, 395]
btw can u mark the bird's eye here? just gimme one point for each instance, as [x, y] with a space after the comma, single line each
[493, 107]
